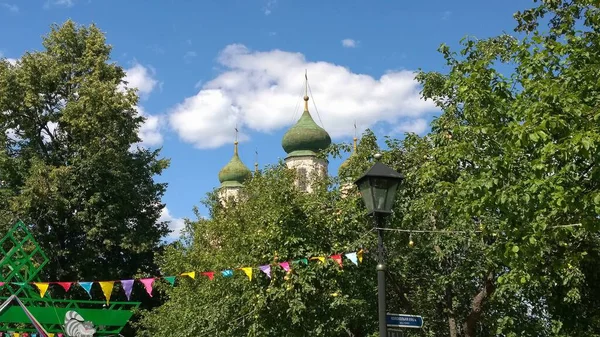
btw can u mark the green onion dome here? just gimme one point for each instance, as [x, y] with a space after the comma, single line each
[235, 172]
[305, 138]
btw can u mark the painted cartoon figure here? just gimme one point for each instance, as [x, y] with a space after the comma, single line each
[75, 326]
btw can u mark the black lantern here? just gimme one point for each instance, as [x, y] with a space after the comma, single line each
[378, 188]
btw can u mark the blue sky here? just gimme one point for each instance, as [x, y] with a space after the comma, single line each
[202, 67]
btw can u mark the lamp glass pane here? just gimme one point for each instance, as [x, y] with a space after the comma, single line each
[364, 187]
[381, 188]
[391, 195]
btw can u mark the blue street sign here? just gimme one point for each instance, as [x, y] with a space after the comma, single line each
[403, 321]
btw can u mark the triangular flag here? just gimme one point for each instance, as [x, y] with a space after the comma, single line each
[50, 334]
[320, 258]
[227, 273]
[209, 274]
[147, 282]
[266, 269]
[107, 288]
[352, 257]
[248, 271]
[360, 255]
[66, 285]
[20, 284]
[191, 274]
[127, 287]
[305, 261]
[1, 284]
[170, 279]
[87, 286]
[285, 266]
[42, 287]
[338, 258]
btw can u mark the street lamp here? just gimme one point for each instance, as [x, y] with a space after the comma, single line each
[378, 188]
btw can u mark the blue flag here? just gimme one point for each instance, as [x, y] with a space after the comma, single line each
[87, 286]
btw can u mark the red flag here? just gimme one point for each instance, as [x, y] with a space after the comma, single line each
[338, 258]
[66, 285]
[209, 274]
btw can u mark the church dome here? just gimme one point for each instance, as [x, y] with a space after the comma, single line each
[235, 172]
[305, 138]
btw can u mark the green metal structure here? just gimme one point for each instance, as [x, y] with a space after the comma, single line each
[21, 261]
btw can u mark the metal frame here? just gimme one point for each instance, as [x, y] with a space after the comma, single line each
[22, 261]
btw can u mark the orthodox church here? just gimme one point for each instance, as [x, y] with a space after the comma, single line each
[302, 143]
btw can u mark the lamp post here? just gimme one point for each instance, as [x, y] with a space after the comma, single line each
[378, 188]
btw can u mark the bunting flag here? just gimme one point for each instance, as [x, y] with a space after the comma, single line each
[127, 287]
[148, 282]
[191, 274]
[87, 286]
[107, 288]
[320, 258]
[209, 274]
[338, 258]
[285, 266]
[65, 285]
[248, 271]
[352, 257]
[42, 287]
[170, 279]
[266, 269]
[1, 284]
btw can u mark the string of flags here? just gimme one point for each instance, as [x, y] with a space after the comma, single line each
[148, 283]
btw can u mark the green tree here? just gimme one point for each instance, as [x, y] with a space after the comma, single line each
[69, 165]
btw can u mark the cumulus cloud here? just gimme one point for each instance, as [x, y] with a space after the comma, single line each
[175, 224]
[349, 43]
[142, 78]
[259, 91]
[9, 60]
[418, 126]
[10, 7]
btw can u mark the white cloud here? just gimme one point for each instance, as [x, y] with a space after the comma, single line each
[175, 225]
[10, 7]
[142, 78]
[446, 15]
[9, 60]
[418, 126]
[64, 3]
[349, 43]
[268, 8]
[149, 132]
[259, 90]
[189, 56]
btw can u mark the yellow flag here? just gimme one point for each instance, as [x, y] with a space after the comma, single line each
[16, 334]
[360, 255]
[50, 334]
[320, 258]
[107, 288]
[42, 287]
[248, 271]
[191, 274]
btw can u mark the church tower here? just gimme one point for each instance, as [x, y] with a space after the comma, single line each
[302, 142]
[233, 176]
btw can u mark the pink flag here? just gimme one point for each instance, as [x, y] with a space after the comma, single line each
[338, 258]
[285, 266]
[147, 282]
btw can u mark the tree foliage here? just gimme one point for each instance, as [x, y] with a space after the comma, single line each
[68, 161]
